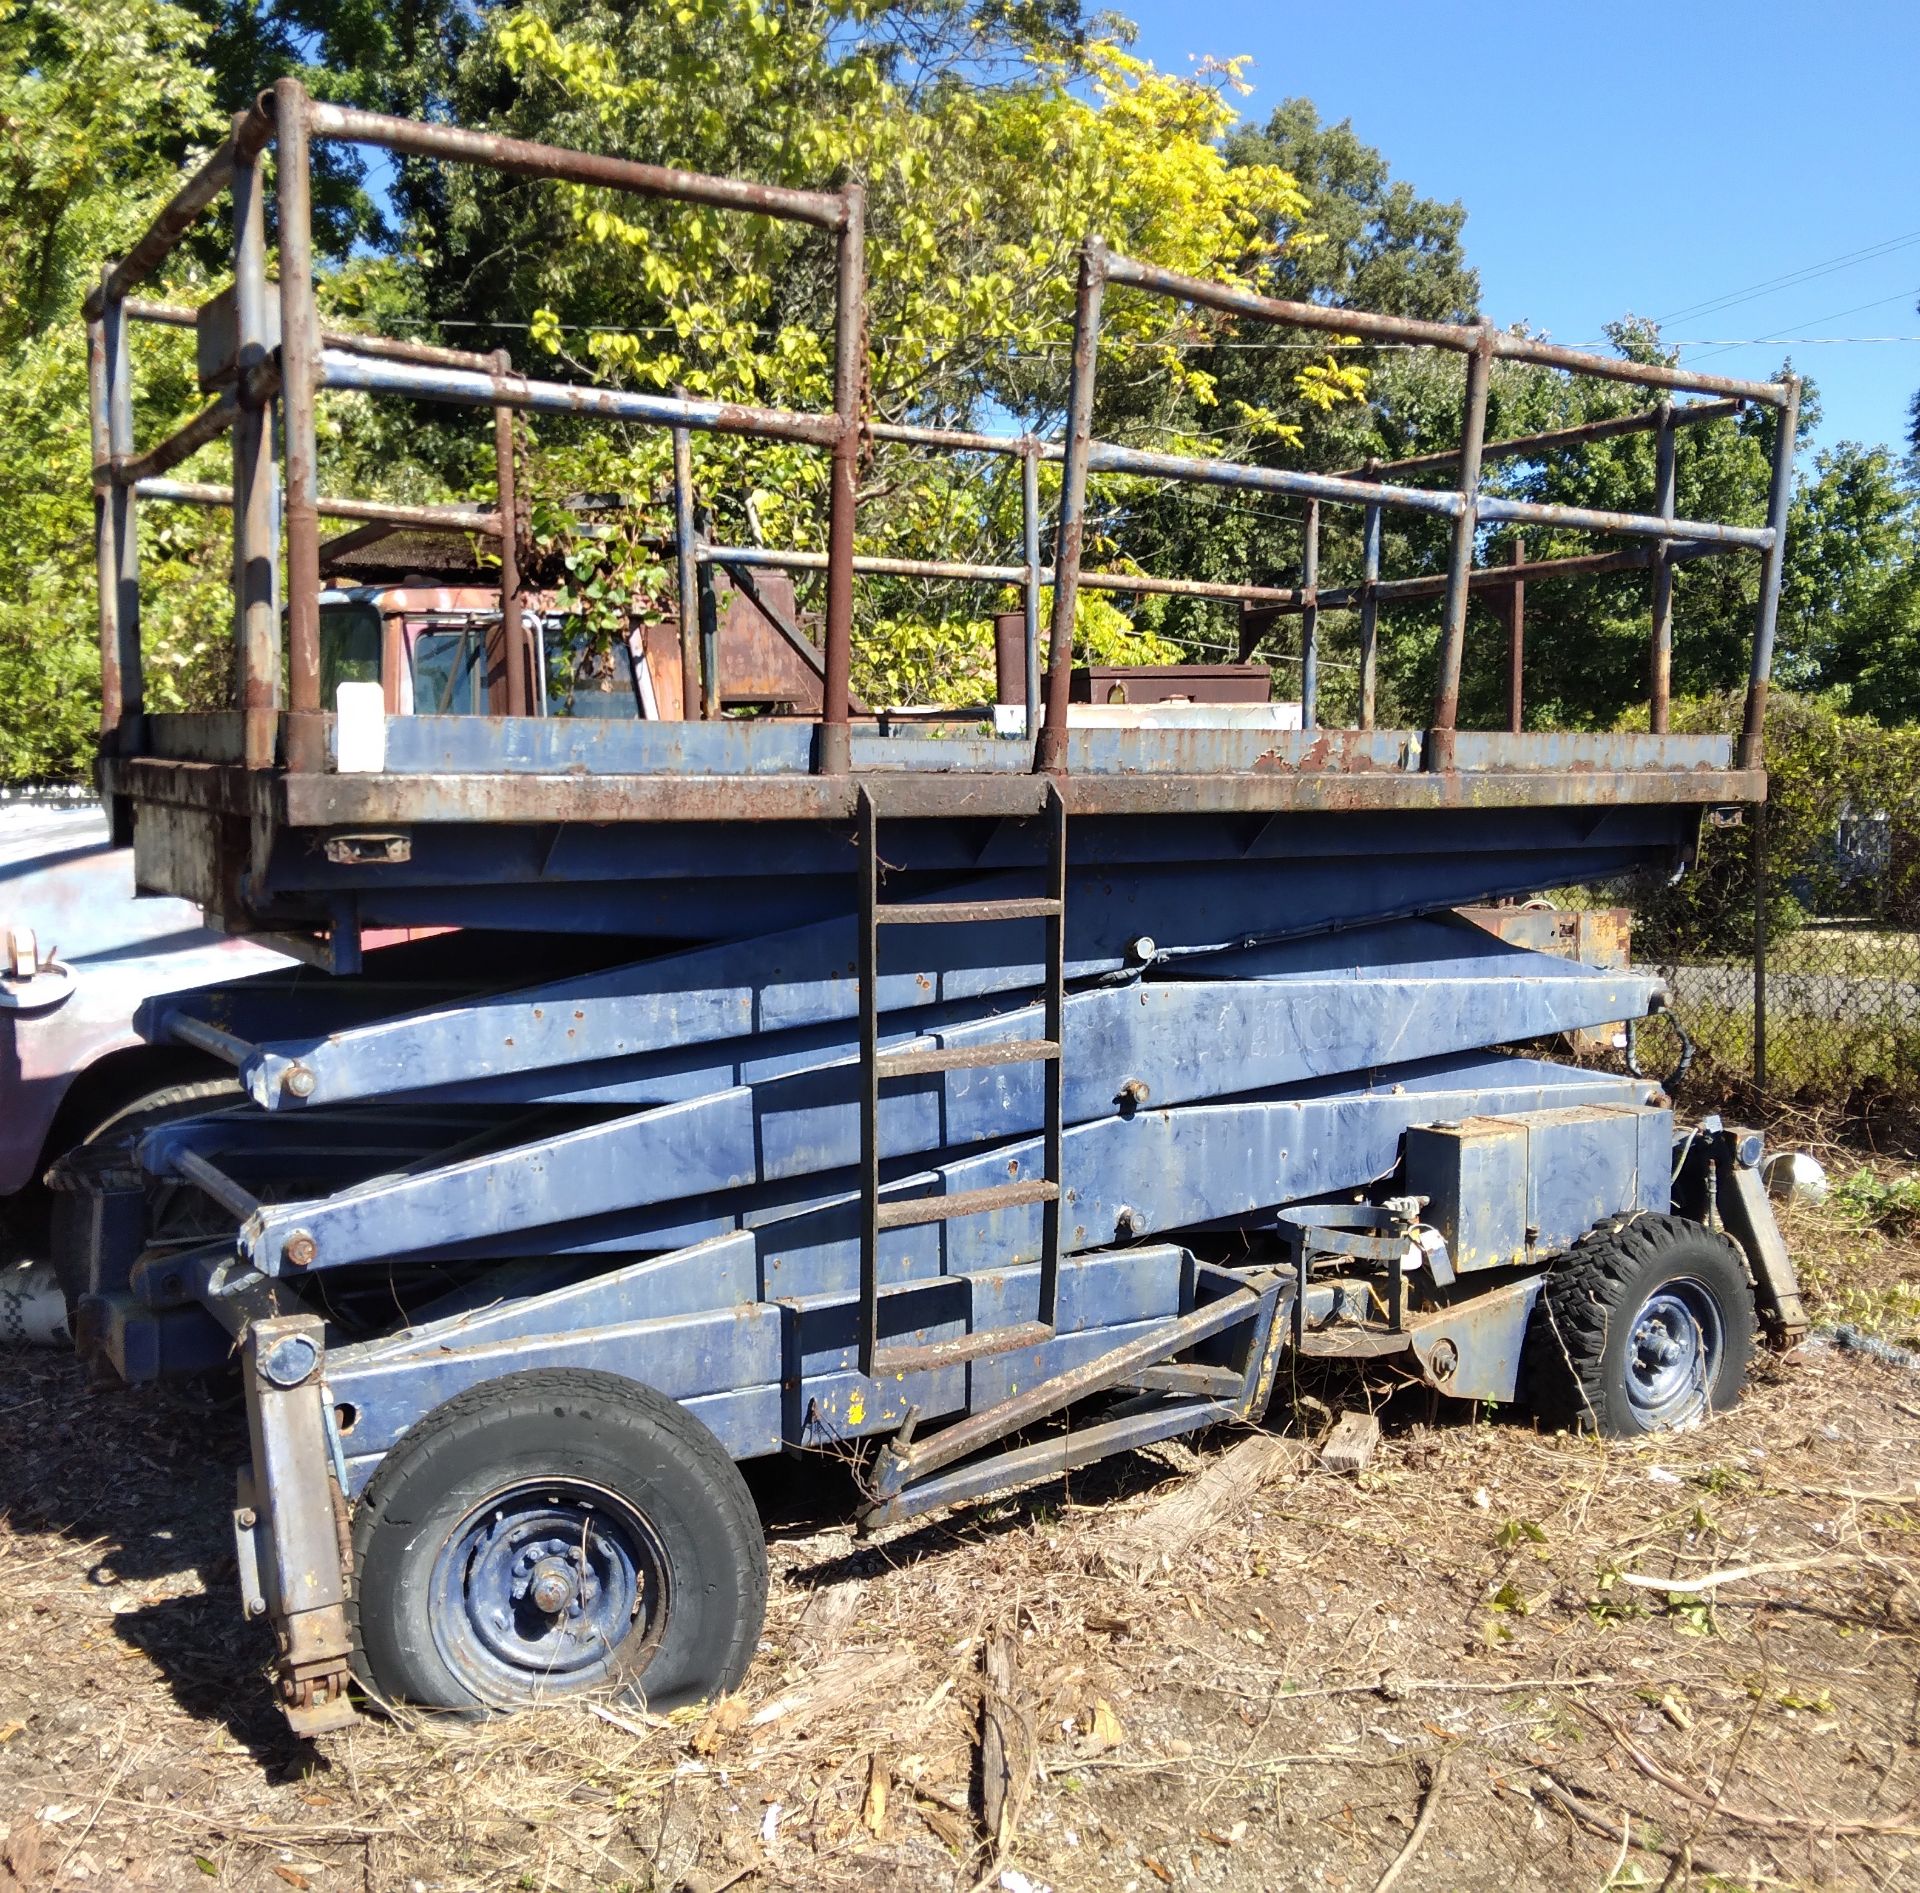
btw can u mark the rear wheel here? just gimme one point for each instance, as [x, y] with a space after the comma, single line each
[555, 1531]
[1641, 1329]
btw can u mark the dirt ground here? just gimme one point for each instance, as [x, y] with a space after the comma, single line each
[1692, 1663]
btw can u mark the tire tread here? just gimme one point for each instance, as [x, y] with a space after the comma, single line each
[478, 1407]
[1562, 1358]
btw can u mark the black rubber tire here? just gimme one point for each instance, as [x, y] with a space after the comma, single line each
[554, 1423]
[67, 1235]
[1574, 1364]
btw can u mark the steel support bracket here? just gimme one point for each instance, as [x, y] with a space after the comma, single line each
[1741, 1197]
[300, 1546]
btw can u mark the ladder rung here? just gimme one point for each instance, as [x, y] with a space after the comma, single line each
[966, 1057]
[963, 1347]
[947, 1209]
[927, 913]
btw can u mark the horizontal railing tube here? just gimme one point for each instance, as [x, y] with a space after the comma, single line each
[1636, 525]
[1522, 348]
[864, 564]
[869, 565]
[1367, 325]
[955, 440]
[178, 215]
[1523, 446]
[375, 512]
[525, 159]
[1103, 458]
[1364, 323]
[462, 387]
[181, 315]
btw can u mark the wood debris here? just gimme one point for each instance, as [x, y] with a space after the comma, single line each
[1351, 1444]
[1155, 1539]
[1007, 1745]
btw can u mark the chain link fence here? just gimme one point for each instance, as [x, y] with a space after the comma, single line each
[1792, 947]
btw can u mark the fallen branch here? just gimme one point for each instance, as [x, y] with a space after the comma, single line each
[1007, 1745]
[1906, 1824]
[1436, 1778]
[1733, 1573]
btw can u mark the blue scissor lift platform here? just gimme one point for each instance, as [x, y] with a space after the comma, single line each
[1002, 1095]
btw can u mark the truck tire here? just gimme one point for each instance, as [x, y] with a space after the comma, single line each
[552, 1531]
[1640, 1328]
[68, 1234]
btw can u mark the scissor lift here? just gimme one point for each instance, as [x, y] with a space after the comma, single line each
[995, 1098]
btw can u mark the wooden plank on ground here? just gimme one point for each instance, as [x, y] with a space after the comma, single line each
[1350, 1445]
[1141, 1543]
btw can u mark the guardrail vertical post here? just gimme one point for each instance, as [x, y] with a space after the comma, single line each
[1760, 948]
[1453, 626]
[1369, 612]
[1665, 497]
[686, 554]
[1517, 640]
[513, 636]
[1050, 753]
[1030, 548]
[299, 372]
[105, 532]
[256, 491]
[122, 683]
[849, 402]
[1310, 622]
[1780, 495]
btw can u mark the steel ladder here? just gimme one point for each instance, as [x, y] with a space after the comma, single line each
[877, 1068]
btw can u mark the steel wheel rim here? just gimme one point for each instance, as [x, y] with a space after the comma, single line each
[1675, 1344]
[548, 1586]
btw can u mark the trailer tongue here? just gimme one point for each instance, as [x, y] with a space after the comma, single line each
[987, 1098]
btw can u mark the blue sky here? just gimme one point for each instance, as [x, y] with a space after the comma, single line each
[1636, 157]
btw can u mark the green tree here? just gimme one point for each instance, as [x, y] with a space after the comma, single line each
[96, 102]
[1850, 609]
[1373, 242]
[990, 145]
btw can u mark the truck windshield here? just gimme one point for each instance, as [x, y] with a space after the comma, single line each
[447, 663]
[349, 648]
[583, 681]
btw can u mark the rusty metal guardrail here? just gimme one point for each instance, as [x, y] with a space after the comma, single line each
[308, 358]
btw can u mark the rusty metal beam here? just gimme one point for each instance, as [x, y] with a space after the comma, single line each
[1517, 639]
[843, 493]
[1050, 751]
[181, 315]
[1466, 523]
[255, 498]
[1366, 325]
[378, 512]
[1527, 446]
[874, 565]
[488, 388]
[1660, 657]
[299, 377]
[1637, 525]
[827, 209]
[513, 637]
[1779, 499]
[178, 215]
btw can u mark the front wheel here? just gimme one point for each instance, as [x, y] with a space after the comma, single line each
[554, 1531]
[1641, 1329]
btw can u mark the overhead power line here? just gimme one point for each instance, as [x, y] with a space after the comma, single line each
[1808, 273]
[1832, 315]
